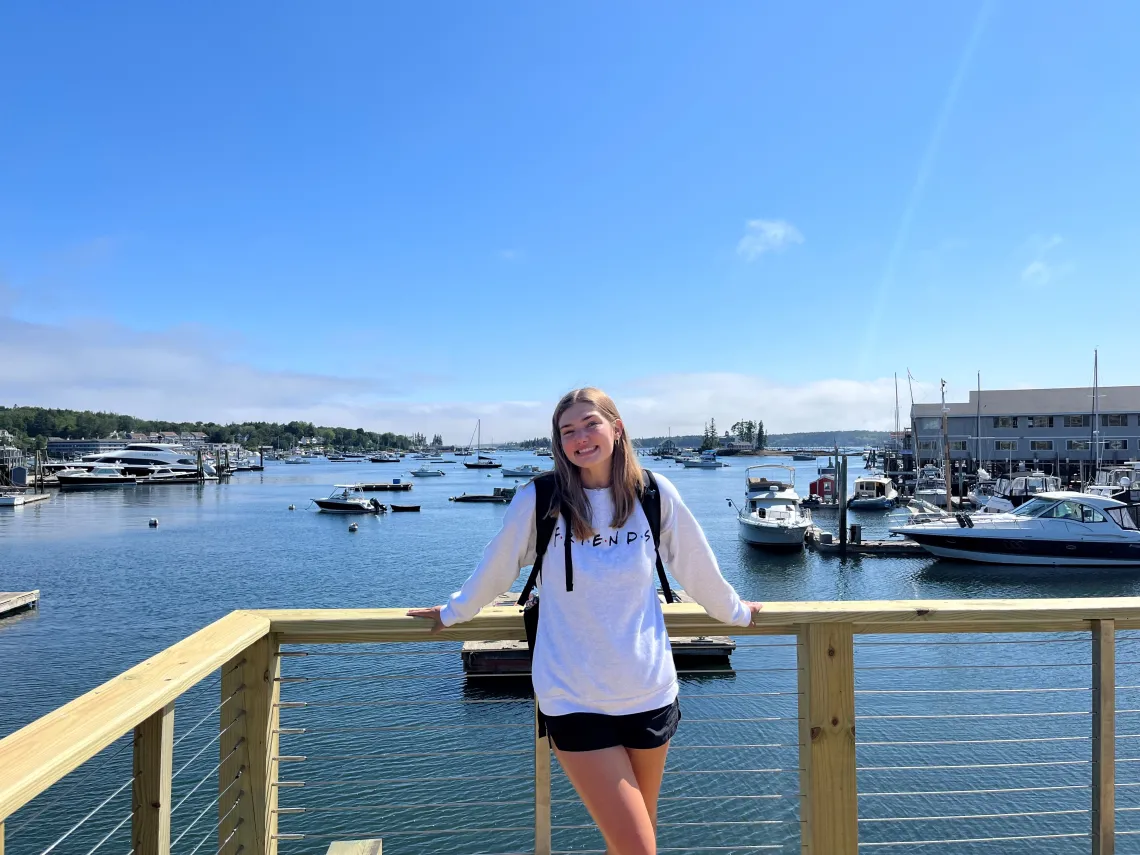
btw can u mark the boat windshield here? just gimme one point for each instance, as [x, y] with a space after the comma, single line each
[1034, 508]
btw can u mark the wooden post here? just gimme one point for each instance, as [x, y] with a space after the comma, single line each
[1103, 737]
[841, 483]
[150, 793]
[1, 838]
[829, 806]
[541, 790]
[251, 692]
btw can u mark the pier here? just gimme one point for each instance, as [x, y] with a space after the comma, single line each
[826, 543]
[14, 602]
[802, 768]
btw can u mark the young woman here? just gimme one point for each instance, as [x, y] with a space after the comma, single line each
[602, 666]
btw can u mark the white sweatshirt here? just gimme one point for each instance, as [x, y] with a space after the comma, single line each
[602, 648]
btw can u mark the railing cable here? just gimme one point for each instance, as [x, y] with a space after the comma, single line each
[99, 807]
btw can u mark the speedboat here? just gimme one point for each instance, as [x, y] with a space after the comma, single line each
[1060, 528]
[424, 472]
[527, 471]
[96, 477]
[707, 460]
[1016, 489]
[160, 475]
[773, 517]
[385, 457]
[348, 499]
[873, 492]
[139, 458]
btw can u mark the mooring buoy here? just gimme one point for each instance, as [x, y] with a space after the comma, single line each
[292, 507]
[353, 527]
[153, 522]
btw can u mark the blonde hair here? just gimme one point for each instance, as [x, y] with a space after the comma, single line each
[625, 469]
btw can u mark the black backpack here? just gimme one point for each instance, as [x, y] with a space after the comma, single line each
[545, 487]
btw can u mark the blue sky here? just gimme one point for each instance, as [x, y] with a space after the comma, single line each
[407, 215]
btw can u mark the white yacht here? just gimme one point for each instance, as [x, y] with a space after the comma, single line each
[930, 486]
[873, 492]
[1011, 491]
[348, 499]
[1117, 481]
[773, 517]
[140, 458]
[707, 460]
[1053, 528]
[982, 491]
[96, 477]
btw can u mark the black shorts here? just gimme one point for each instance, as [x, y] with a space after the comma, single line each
[594, 731]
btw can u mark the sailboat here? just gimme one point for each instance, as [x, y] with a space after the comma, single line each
[481, 461]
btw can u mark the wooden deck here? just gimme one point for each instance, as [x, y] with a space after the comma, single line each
[12, 602]
[895, 546]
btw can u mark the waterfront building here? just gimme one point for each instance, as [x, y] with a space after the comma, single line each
[69, 448]
[1054, 429]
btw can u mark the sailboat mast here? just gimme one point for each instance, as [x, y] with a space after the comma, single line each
[978, 438]
[1094, 433]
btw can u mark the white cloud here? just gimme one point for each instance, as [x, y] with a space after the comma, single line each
[1037, 273]
[761, 236]
[1043, 266]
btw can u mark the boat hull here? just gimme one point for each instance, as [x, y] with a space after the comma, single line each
[328, 507]
[483, 465]
[879, 503]
[78, 482]
[772, 536]
[1034, 551]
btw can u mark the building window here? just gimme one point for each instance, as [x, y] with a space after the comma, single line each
[1078, 421]
[1116, 445]
[957, 445]
[929, 424]
[1005, 444]
[1005, 421]
[1040, 421]
[1078, 445]
[1041, 445]
[926, 445]
[1114, 420]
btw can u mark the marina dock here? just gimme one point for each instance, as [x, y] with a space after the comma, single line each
[826, 543]
[14, 602]
[15, 500]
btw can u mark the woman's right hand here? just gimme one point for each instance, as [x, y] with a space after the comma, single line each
[431, 614]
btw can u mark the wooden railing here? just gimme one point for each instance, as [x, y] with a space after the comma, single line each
[246, 647]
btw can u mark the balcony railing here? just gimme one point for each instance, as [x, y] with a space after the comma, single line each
[983, 726]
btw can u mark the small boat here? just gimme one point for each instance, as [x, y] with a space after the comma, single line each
[97, 477]
[802, 455]
[930, 486]
[335, 458]
[500, 495]
[522, 471]
[1012, 491]
[707, 460]
[11, 498]
[481, 461]
[424, 472]
[161, 475]
[1060, 529]
[400, 509]
[873, 492]
[542, 452]
[296, 460]
[774, 516]
[385, 457]
[348, 499]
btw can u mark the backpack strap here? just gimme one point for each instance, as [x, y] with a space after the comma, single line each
[650, 497]
[545, 524]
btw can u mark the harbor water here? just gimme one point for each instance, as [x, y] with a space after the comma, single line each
[400, 745]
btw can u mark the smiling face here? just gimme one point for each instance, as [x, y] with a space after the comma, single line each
[587, 437]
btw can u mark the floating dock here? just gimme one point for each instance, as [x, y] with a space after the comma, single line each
[14, 602]
[18, 499]
[826, 543]
[698, 653]
[386, 487]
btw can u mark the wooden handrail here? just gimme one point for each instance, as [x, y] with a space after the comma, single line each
[35, 757]
[784, 618]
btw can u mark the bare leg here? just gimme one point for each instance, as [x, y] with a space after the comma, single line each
[649, 767]
[608, 785]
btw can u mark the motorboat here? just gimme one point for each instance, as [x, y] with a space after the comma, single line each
[930, 486]
[707, 460]
[773, 516]
[802, 456]
[429, 458]
[982, 491]
[1116, 482]
[873, 492]
[160, 475]
[95, 478]
[1011, 491]
[543, 452]
[296, 459]
[424, 472]
[527, 471]
[384, 457]
[1057, 528]
[348, 499]
[498, 495]
[11, 498]
[139, 458]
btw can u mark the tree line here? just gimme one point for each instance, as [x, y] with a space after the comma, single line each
[31, 427]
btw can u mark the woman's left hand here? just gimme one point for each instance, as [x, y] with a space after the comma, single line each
[755, 608]
[431, 614]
